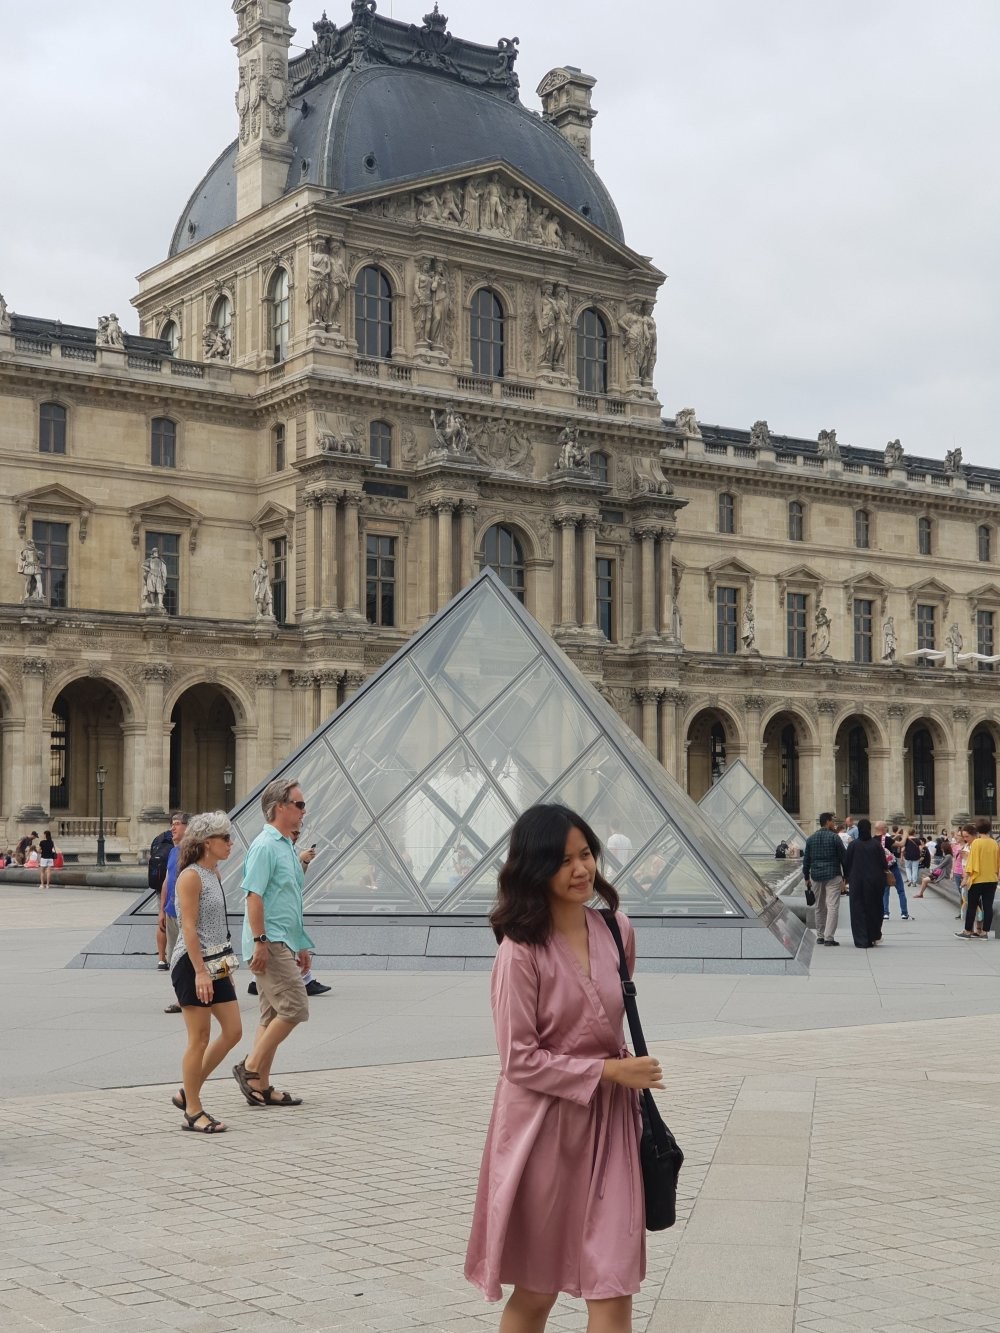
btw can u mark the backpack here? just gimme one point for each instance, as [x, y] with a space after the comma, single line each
[159, 855]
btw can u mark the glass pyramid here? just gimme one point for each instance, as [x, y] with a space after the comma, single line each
[747, 816]
[413, 784]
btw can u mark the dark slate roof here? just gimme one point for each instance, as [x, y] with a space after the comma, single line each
[77, 335]
[787, 447]
[409, 105]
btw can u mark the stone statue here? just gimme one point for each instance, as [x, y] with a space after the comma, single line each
[421, 301]
[319, 291]
[519, 216]
[639, 340]
[748, 632]
[262, 591]
[953, 461]
[440, 302]
[451, 207]
[889, 641]
[109, 332]
[154, 581]
[547, 317]
[821, 633]
[470, 204]
[687, 423]
[428, 207]
[494, 215]
[760, 435]
[954, 642]
[4, 315]
[216, 345]
[29, 565]
[827, 445]
[894, 454]
[676, 621]
[572, 455]
[451, 431]
[551, 232]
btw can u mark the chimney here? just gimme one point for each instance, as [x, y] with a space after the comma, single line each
[565, 95]
[264, 153]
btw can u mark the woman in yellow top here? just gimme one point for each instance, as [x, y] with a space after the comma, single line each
[982, 870]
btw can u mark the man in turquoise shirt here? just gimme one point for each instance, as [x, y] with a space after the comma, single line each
[275, 943]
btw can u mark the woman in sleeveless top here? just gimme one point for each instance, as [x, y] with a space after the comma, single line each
[202, 929]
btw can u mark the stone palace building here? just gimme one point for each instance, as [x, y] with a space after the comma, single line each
[400, 335]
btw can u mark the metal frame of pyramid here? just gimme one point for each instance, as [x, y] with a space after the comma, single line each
[413, 784]
[747, 816]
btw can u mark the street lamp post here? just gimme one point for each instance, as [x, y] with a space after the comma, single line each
[991, 791]
[102, 777]
[227, 778]
[920, 806]
[845, 791]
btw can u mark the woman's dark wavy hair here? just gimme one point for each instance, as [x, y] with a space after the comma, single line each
[536, 851]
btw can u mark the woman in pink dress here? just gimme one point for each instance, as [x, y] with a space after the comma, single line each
[559, 1206]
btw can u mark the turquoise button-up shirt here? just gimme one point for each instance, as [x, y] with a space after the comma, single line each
[272, 869]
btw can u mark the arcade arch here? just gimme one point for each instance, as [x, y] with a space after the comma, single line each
[712, 742]
[202, 749]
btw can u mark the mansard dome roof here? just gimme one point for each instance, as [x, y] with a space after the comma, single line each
[386, 104]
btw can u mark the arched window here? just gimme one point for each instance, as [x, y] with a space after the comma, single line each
[984, 542]
[278, 305]
[52, 428]
[163, 442]
[862, 529]
[923, 771]
[503, 553]
[789, 769]
[222, 317]
[171, 334]
[727, 512]
[59, 755]
[984, 772]
[592, 353]
[924, 542]
[486, 333]
[796, 522]
[380, 442]
[599, 466]
[373, 313]
[857, 771]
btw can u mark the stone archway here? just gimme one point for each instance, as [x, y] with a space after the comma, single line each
[921, 785]
[784, 738]
[854, 786]
[712, 742]
[202, 749]
[983, 749]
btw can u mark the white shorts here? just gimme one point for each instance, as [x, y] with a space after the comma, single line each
[46, 864]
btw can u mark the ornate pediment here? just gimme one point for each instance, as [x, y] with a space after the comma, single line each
[930, 590]
[732, 572]
[798, 579]
[169, 512]
[54, 499]
[274, 520]
[869, 585]
[987, 595]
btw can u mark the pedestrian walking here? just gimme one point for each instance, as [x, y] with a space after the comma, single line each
[559, 1206]
[203, 930]
[823, 871]
[911, 857]
[982, 870]
[865, 869]
[275, 943]
[168, 902]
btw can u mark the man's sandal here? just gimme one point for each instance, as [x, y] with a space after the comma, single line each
[180, 1100]
[212, 1127]
[242, 1075]
[279, 1099]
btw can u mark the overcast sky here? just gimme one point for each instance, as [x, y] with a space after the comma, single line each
[818, 178]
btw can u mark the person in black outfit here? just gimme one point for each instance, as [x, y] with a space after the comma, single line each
[865, 869]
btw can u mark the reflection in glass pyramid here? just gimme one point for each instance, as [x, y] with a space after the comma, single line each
[747, 816]
[413, 785]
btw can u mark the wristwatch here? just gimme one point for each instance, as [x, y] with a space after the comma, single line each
[260, 939]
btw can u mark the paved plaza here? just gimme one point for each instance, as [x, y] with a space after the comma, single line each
[841, 1172]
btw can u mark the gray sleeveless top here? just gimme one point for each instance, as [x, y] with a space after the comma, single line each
[211, 925]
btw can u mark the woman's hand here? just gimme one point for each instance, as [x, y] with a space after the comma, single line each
[634, 1071]
[203, 985]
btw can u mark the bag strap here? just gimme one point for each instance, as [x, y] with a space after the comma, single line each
[628, 985]
[225, 909]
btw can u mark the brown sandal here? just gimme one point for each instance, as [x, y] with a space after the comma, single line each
[279, 1099]
[242, 1075]
[213, 1127]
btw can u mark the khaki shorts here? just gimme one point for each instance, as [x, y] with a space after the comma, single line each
[281, 988]
[171, 930]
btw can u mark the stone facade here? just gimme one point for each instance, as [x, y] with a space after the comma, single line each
[400, 385]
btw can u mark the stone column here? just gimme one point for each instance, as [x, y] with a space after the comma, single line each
[824, 765]
[589, 524]
[675, 751]
[891, 789]
[36, 739]
[467, 542]
[445, 574]
[567, 606]
[666, 571]
[155, 787]
[329, 594]
[648, 699]
[809, 802]
[753, 706]
[246, 753]
[265, 683]
[962, 795]
[329, 685]
[302, 683]
[647, 613]
[352, 555]
[133, 778]
[313, 552]
[426, 592]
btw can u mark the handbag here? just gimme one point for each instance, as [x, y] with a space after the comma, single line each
[810, 896]
[221, 961]
[660, 1155]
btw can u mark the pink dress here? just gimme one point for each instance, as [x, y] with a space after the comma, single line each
[559, 1205]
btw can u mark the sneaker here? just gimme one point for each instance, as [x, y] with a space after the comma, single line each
[163, 965]
[833, 944]
[885, 916]
[317, 988]
[252, 988]
[907, 917]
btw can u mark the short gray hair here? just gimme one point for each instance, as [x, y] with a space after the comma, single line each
[211, 824]
[276, 793]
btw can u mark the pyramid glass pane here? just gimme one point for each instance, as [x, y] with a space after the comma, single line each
[412, 786]
[747, 816]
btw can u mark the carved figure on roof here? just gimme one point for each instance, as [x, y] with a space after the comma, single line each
[760, 435]
[364, 44]
[953, 461]
[550, 232]
[827, 445]
[451, 431]
[246, 11]
[109, 332]
[450, 205]
[686, 422]
[572, 455]
[30, 567]
[639, 340]
[4, 315]
[262, 595]
[428, 207]
[494, 211]
[434, 41]
[519, 215]
[327, 38]
[894, 454]
[215, 344]
[821, 633]
[503, 66]
[470, 204]
[889, 642]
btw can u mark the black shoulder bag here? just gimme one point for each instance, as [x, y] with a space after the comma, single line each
[660, 1156]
